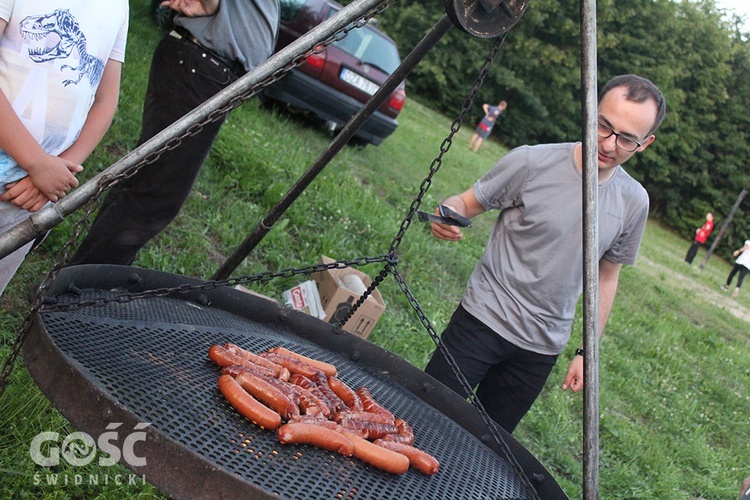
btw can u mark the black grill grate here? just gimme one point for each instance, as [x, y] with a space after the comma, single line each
[150, 357]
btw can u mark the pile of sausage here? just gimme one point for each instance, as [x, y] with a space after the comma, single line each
[303, 400]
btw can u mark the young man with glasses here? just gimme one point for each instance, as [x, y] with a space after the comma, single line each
[515, 317]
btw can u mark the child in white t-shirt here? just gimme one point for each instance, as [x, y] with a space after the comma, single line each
[741, 265]
[60, 65]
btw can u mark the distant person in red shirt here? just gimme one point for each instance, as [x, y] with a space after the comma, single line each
[701, 235]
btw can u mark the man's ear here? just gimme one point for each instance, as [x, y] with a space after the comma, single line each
[647, 142]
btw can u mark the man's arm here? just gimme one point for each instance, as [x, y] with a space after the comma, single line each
[609, 276]
[465, 204]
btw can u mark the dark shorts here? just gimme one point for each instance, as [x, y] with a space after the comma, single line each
[483, 131]
[507, 378]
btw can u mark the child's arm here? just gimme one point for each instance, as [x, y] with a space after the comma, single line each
[100, 115]
[53, 176]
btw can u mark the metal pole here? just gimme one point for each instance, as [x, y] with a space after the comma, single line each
[266, 224]
[51, 215]
[724, 226]
[590, 253]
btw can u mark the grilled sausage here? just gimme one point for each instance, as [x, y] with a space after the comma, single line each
[315, 420]
[280, 371]
[315, 435]
[420, 460]
[378, 456]
[327, 368]
[364, 416]
[235, 370]
[292, 364]
[404, 435]
[346, 393]
[267, 394]
[337, 404]
[246, 405]
[370, 404]
[320, 399]
[224, 357]
[373, 430]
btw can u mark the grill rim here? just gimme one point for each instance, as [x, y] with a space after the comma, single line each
[89, 409]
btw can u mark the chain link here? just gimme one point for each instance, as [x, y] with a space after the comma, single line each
[446, 144]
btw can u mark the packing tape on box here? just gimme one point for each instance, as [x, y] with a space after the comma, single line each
[354, 283]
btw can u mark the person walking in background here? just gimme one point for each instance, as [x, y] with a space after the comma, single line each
[741, 265]
[483, 130]
[701, 235]
[60, 66]
[212, 44]
[516, 315]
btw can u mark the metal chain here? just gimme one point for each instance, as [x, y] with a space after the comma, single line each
[491, 426]
[446, 144]
[434, 167]
[392, 267]
[52, 304]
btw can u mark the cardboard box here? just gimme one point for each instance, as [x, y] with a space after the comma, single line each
[337, 300]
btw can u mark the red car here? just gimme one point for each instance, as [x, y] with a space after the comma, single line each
[333, 85]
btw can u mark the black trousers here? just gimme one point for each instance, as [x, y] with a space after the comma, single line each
[135, 210]
[738, 268]
[692, 252]
[508, 379]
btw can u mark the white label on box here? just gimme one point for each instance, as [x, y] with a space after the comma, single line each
[304, 297]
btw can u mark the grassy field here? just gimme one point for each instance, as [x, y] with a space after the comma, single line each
[675, 382]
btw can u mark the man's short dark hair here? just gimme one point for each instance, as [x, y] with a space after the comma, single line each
[639, 89]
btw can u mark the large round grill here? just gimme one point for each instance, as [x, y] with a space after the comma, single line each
[145, 361]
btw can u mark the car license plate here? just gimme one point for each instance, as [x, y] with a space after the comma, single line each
[359, 82]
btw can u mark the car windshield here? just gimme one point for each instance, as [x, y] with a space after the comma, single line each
[371, 48]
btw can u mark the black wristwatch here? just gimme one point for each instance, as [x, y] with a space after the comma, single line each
[579, 352]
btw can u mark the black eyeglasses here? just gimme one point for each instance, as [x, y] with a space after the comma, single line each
[621, 141]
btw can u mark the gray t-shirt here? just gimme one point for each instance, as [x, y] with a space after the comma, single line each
[527, 284]
[241, 30]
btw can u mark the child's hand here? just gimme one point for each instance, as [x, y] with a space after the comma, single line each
[24, 194]
[54, 176]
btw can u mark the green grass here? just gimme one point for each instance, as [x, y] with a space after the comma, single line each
[675, 382]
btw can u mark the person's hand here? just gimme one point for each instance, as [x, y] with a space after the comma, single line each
[745, 491]
[25, 195]
[445, 231]
[193, 8]
[53, 176]
[736, 253]
[574, 377]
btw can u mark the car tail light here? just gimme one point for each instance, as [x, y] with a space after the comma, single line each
[396, 101]
[317, 60]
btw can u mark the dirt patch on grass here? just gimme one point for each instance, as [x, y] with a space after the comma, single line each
[716, 296]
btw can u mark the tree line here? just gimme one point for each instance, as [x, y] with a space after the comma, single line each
[699, 59]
